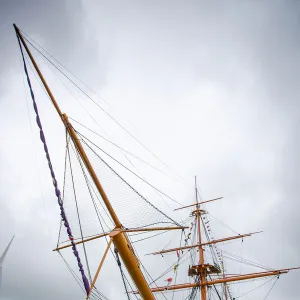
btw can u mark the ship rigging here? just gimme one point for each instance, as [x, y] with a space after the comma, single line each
[122, 212]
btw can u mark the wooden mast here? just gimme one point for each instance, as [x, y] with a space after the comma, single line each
[121, 240]
[203, 269]
[201, 252]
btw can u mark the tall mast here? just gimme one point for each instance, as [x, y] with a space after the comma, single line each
[120, 240]
[201, 252]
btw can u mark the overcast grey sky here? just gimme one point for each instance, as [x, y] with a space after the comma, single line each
[210, 86]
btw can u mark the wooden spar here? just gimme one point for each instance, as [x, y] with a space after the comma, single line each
[206, 243]
[82, 241]
[221, 280]
[125, 230]
[99, 268]
[121, 240]
[199, 203]
[201, 252]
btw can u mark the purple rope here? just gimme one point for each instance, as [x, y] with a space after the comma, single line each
[57, 191]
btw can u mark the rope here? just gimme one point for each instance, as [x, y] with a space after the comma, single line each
[254, 289]
[57, 191]
[78, 215]
[271, 288]
[122, 273]
[64, 186]
[174, 222]
[85, 138]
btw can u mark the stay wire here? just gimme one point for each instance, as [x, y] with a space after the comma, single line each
[64, 186]
[85, 138]
[72, 272]
[134, 156]
[90, 186]
[79, 221]
[254, 289]
[77, 278]
[174, 222]
[245, 261]
[121, 271]
[271, 288]
[144, 267]
[224, 224]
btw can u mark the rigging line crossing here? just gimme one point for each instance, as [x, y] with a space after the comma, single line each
[247, 261]
[213, 254]
[121, 271]
[106, 112]
[64, 186]
[215, 288]
[72, 272]
[144, 267]
[224, 224]
[85, 138]
[116, 145]
[256, 288]
[55, 184]
[271, 288]
[170, 268]
[77, 279]
[77, 210]
[90, 188]
[127, 182]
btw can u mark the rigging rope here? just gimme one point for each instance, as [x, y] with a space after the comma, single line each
[84, 139]
[271, 288]
[124, 181]
[254, 289]
[57, 191]
[122, 273]
[78, 215]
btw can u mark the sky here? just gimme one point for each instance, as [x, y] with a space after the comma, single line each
[210, 87]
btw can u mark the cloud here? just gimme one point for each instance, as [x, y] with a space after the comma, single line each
[212, 88]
